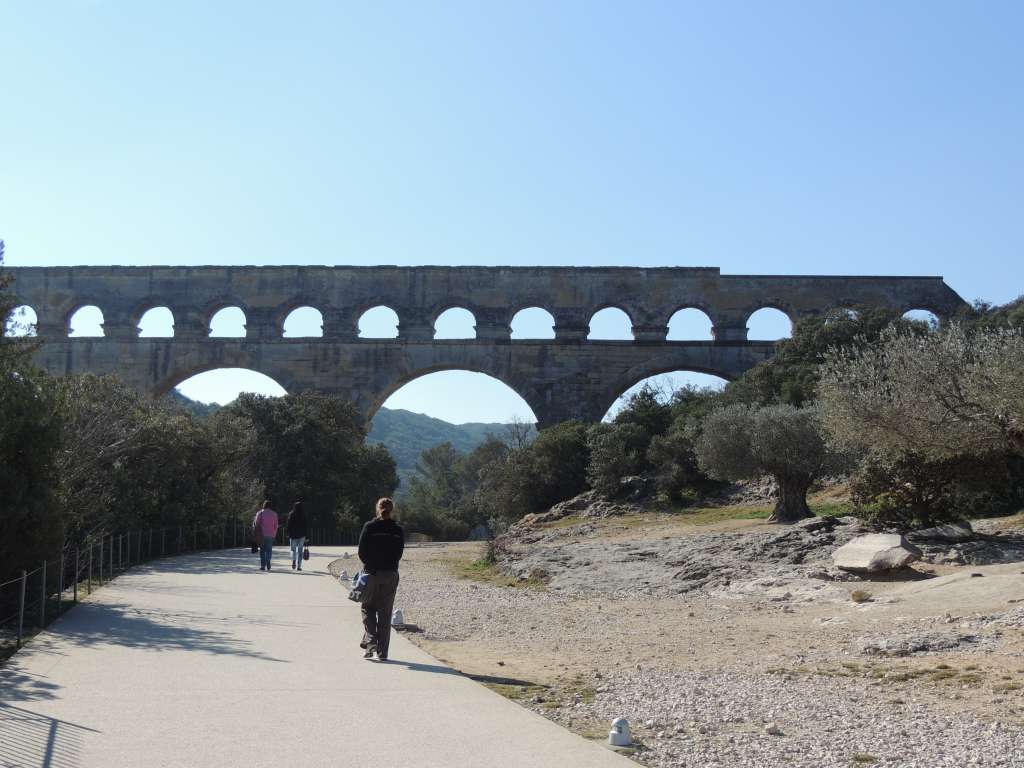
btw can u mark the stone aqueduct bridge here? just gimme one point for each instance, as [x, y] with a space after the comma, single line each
[565, 377]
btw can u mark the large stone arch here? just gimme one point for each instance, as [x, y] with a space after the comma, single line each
[385, 386]
[682, 359]
[240, 356]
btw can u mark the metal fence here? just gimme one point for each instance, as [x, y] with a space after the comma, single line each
[31, 601]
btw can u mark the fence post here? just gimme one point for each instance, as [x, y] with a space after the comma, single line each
[110, 571]
[163, 539]
[90, 569]
[78, 572]
[139, 547]
[179, 539]
[21, 608]
[128, 550]
[101, 561]
[60, 582]
[42, 599]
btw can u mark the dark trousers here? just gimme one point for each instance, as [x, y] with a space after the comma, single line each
[378, 601]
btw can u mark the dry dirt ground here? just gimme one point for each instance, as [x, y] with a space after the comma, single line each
[779, 666]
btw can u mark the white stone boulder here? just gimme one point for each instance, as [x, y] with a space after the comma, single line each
[876, 552]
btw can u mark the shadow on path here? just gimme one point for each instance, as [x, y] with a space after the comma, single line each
[153, 630]
[17, 685]
[28, 739]
[442, 670]
[224, 561]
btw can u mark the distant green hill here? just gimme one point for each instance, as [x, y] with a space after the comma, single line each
[404, 433]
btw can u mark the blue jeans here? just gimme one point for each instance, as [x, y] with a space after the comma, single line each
[266, 550]
[296, 545]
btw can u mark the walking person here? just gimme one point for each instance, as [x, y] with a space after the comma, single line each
[264, 527]
[297, 532]
[381, 544]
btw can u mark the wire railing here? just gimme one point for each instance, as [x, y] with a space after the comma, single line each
[36, 598]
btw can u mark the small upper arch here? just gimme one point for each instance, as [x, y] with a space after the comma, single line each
[378, 322]
[690, 323]
[455, 322]
[228, 322]
[770, 322]
[156, 322]
[611, 322]
[21, 321]
[923, 315]
[86, 320]
[533, 323]
[303, 322]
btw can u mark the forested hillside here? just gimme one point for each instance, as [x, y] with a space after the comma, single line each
[405, 434]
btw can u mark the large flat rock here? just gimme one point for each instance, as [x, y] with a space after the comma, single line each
[876, 552]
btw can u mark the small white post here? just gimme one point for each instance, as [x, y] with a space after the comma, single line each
[619, 735]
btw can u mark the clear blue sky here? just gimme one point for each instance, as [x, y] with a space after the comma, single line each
[777, 137]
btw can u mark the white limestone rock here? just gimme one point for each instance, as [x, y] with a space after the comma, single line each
[876, 552]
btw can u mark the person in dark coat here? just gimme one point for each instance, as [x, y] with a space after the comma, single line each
[381, 544]
[297, 532]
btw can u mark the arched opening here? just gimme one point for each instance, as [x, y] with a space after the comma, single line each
[304, 322]
[378, 323]
[925, 316]
[457, 407]
[87, 321]
[455, 323]
[769, 324]
[666, 385]
[611, 324]
[689, 324]
[157, 322]
[461, 397]
[22, 321]
[533, 323]
[228, 322]
[223, 385]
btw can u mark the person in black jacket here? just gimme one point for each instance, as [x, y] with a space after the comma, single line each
[381, 544]
[297, 532]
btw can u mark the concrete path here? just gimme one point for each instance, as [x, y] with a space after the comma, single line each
[205, 661]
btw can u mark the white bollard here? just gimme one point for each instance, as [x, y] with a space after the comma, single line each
[397, 618]
[619, 736]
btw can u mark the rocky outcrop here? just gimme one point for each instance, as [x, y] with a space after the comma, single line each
[950, 533]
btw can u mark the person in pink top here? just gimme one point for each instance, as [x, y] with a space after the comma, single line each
[264, 527]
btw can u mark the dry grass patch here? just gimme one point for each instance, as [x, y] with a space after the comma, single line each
[483, 572]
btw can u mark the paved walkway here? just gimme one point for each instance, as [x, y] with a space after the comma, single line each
[205, 661]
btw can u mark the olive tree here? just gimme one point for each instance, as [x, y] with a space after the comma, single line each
[944, 395]
[742, 442]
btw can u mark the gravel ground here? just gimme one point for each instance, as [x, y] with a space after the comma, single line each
[742, 677]
[702, 719]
